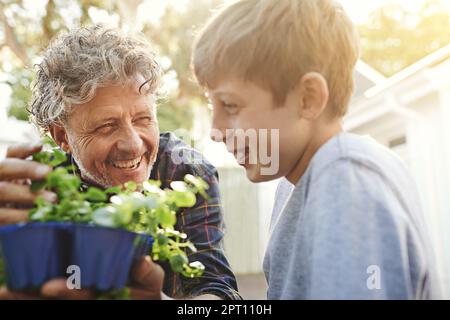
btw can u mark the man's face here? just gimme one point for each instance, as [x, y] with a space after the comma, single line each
[114, 137]
[244, 106]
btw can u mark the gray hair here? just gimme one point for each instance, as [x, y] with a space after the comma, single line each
[76, 63]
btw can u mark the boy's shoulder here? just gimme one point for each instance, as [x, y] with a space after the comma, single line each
[361, 153]
[354, 167]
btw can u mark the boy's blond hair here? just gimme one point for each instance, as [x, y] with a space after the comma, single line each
[275, 42]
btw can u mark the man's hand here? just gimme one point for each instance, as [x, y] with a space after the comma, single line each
[16, 175]
[147, 278]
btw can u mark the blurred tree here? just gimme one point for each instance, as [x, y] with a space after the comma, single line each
[19, 80]
[394, 38]
[27, 33]
[173, 36]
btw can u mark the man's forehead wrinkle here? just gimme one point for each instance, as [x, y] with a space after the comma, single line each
[92, 118]
[104, 107]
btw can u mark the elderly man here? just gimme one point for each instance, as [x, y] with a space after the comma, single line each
[95, 94]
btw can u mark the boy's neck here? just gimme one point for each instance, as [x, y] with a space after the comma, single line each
[321, 135]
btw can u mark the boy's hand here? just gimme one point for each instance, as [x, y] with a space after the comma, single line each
[16, 175]
[147, 277]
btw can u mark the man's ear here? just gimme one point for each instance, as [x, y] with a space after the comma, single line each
[59, 135]
[314, 95]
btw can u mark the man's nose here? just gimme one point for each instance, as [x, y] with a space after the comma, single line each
[130, 142]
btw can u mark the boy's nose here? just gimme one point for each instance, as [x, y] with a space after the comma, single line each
[218, 127]
[217, 135]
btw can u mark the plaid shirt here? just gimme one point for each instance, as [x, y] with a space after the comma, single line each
[203, 223]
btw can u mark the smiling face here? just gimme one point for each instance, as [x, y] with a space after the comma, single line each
[287, 134]
[244, 105]
[114, 137]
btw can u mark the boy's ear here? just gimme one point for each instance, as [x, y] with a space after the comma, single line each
[59, 135]
[314, 95]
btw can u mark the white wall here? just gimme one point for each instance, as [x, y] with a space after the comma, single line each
[419, 109]
[247, 208]
[429, 148]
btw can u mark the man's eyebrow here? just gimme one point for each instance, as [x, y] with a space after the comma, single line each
[96, 121]
[144, 112]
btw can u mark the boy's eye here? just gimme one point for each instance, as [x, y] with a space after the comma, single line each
[231, 108]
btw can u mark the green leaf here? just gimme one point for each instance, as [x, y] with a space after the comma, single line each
[46, 140]
[95, 194]
[154, 183]
[163, 240]
[43, 157]
[177, 262]
[197, 265]
[73, 181]
[153, 187]
[165, 216]
[105, 216]
[41, 214]
[199, 184]
[150, 202]
[82, 207]
[173, 233]
[58, 158]
[113, 190]
[179, 186]
[114, 294]
[37, 186]
[160, 248]
[192, 247]
[123, 218]
[194, 269]
[128, 202]
[184, 199]
[40, 201]
[56, 177]
[130, 186]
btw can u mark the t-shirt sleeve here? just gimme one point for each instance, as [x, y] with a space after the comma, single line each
[359, 242]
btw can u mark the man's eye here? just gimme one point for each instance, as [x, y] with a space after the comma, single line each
[143, 120]
[231, 108]
[105, 128]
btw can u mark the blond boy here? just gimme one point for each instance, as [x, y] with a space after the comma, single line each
[346, 222]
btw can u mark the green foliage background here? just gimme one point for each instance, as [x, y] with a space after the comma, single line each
[26, 37]
[394, 38]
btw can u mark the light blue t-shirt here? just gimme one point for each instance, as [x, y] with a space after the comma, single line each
[351, 228]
